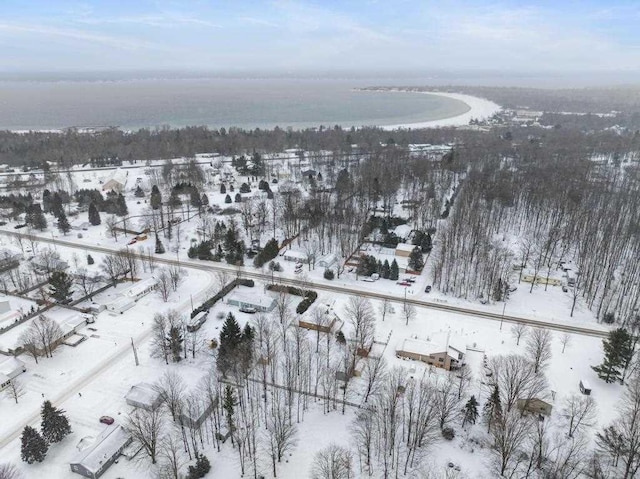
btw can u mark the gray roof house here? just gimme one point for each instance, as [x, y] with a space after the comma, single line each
[144, 396]
[94, 460]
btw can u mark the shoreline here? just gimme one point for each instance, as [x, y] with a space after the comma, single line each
[479, 108]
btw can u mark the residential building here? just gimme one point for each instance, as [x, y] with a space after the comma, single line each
[259, 302]
[144, 396]
[93, 461]
[442, 356]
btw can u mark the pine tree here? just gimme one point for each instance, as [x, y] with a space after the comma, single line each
[35, 217]
[94, 215]
[63, 224]
[230, 338]
[386, 269]
[56, 205]
[238, 198]
[228, 404]
[159, 246]
[470, 411]
[493, 408]
[55, 425]
[416, 261]
[121, 206]
[156, 198]
[139, 193]
[205, 202]
[223, 189]
[60, 284]
[617, 348]
[34, 447]
[227, 199]
[46, 201]
[90, 259]
[394, 272]
[174, 341]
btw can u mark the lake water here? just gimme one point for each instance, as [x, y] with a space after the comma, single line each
[249, 103]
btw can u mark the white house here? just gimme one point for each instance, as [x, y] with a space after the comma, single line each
[116, 182]
[97, 458]
[141, 288]
[327, 261]
[404, 249]
[258, 302]
[9, 369]
[295, 255]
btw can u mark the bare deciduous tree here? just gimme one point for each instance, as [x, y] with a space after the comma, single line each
[164, 284]
[519, 330]
[332, 462]
[9, 471]
[171, 388]
[15, 390]
[147, 430]
[516, 379]
[171, 457]
[565, 339]
[539, 348]
[579, 412]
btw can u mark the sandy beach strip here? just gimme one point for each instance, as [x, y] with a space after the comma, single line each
[479, 109]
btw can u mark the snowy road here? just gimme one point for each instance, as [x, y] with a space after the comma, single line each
[598, 331]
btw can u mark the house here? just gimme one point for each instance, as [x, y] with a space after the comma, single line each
[116, 182]
[141, 288]
[403, 250]
[9, 369]
[144, 396]
[446, 357]
[121, 304]
[327, 261]
[258, 302]
[94, 460]
[529, 277]
[296, 256]
[535, 406]
[402, 232]
[9, 259]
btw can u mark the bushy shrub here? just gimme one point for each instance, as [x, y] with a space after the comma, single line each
[328, 274]
[448, 433]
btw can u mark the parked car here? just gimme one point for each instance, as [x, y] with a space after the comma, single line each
[565, 289]
[427, 289]
[404, 283]
[2, 223]
[133, 241]
[248, 310]
[108, 420]
[17, 227]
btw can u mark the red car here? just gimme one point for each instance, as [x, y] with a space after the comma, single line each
[108, 420]
[403, 283]
[133, 241]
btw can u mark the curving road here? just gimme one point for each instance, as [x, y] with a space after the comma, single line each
[337, 288]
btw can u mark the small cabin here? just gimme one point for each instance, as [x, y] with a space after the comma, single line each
[585, 388]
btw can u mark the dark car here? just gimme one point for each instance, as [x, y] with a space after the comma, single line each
[17, 227]
[427, 289]
[108, 420]
[248, 310]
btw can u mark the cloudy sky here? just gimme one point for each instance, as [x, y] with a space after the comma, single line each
[290, 35]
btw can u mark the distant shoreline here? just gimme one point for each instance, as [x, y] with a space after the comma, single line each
[478, 109]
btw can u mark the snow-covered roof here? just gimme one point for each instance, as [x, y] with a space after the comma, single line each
[252, 298]
[294, 253]
[9, 366]
[142, 393]
[141, 286]
[71, 323]
[119, 175]
[402, 231]
[108, 443]
[418, 346]
[405, 247]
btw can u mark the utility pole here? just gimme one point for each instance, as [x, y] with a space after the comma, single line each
[135, 352]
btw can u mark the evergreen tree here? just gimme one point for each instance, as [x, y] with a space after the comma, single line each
[174, 341]
[34, 447]
[60, 284]
[245, 188]
[227, 199]
[470, 411]
[35, 217]
[204, 201]
[493, 408]
[63, 224]
[238, 198]
[55, 425]
[617, 349]
[56, 205]
[121, 206]
[195, 199]
[90, 259]
[229, 404]
[139, 193]
[159, 246]
[223, 189]
[94, 215]
[156, 198]
[230, 339]
[46, 201]
[394, 272]
[416, 262]
[386, 269]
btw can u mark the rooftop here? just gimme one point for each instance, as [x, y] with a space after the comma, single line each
[106, 445]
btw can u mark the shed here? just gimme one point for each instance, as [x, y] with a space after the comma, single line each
[404, 249]
[327, 261]
[141, 288]
[98, 457]
[535, 406]
[116, 182]
[144, 396]
[585, 387]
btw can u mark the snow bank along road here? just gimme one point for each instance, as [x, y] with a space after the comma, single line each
[102, 366]
[337, 288]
